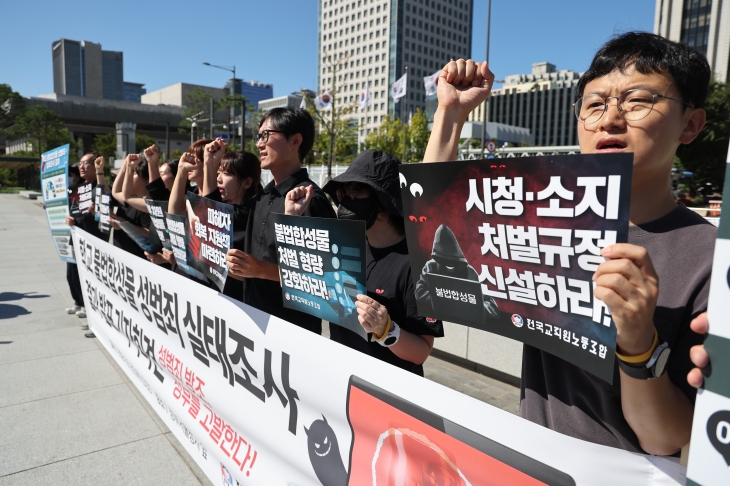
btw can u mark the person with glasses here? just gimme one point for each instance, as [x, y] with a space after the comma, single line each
[284, 138]
[84, 219]
[642, 94]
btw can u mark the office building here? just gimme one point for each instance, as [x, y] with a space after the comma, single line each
[253, 91]
[702, 24]
[293, 100]
[178, 94]
[541, 101]
[82, 68]
[133, 92]
[373, 41]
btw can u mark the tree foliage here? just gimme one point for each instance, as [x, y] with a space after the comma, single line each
[706, 156]
[105, 144]
[42, 127]
[11, 105]
[390, 134]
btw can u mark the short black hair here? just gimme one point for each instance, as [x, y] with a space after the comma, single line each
[243, 165]
[650, 53]
[292, 121]
[173, 165]
[143, 170]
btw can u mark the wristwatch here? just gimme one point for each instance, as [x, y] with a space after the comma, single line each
[392, 337]
[654, 368]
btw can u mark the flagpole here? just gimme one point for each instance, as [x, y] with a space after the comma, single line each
[402, 116]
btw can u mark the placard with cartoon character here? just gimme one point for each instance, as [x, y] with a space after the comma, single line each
[709, 458]
[510, 246]
[322, 265]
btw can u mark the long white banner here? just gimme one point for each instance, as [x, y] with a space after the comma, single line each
[258, 401]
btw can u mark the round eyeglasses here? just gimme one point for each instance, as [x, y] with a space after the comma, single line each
[633, 105]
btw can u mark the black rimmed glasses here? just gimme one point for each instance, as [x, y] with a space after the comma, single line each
[263, 135]
[633, 105]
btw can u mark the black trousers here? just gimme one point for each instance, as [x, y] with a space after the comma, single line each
[74, 283]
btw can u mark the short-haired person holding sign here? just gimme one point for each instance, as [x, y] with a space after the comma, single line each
[642, 94]
[284, 138]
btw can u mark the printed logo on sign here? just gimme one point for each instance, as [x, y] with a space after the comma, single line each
[287, 296]
[718, 431]
[517, 320]
[227, 478]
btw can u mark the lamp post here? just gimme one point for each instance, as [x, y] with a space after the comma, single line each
[486, 102]
[233, 88]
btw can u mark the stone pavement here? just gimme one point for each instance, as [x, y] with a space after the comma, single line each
[68, 414]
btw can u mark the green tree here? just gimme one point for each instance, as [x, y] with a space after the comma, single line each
[418, 134]
[706, 156]
[195, 102]
[141, 142]
[11, 105]
[42, 127]
[387, 137]
[105, 144]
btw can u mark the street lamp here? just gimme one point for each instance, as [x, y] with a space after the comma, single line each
[486, 101]
[233, 90]
[193, 119]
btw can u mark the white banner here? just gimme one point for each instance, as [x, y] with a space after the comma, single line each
[259, 400]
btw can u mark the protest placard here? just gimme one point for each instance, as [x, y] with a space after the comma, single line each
[510, 247]
[157, 211]
[209, 237]
[177, 229]
[54, 184]
[257, 400]
[709, 458]
[322, 265]
[139, 237]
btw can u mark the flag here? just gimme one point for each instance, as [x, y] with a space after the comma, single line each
[323, 101]
[303, 104]
[399, 88]
[431, 83]
[365, 97]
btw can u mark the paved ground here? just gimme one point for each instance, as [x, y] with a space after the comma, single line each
[68, 414]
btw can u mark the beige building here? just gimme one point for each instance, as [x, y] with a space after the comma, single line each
[375, 40]
[541, 101]
[702, 24]
[175, 94]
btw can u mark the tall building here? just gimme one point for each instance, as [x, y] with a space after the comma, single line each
[82, 68]
[541, 101]
[374, 41]
[702, 24]
[253, 91]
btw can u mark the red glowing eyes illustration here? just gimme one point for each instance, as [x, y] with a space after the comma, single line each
[502, 166]
[492, 166]
[413, 218]
[422, 219]
[417, 219]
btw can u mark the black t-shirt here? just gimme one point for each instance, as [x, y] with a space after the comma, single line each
[260, 242]
[389, 282]
[87, 222]
[157, 191]
[233, 287]
[564, 398]
[136, 217]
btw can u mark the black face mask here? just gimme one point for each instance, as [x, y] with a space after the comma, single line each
[365, 209]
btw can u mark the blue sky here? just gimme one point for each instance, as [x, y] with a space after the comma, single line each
[275, 41]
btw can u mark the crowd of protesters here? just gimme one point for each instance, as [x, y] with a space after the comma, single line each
[656, 285]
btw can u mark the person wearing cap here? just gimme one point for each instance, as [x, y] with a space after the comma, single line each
[369, 191]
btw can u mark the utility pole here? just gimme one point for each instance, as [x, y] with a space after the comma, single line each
[486, 102]
[403, 115]
[211, 117]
